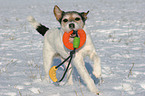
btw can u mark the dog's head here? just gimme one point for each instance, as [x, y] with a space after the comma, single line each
[70, 20]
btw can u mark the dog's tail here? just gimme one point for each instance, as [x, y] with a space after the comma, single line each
[39, 27]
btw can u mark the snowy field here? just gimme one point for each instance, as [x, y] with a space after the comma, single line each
[117, 28]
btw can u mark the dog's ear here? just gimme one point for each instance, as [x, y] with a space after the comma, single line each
[57, 12]
[84, 14]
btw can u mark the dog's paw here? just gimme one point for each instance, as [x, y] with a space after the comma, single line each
[95, 91]
[69, 83]
[97, 74]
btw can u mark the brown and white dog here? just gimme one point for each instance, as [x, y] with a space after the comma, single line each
[53, 45]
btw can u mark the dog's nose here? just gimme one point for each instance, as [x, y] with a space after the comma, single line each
[71, 25]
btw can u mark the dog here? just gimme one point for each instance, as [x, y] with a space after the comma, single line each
[53, 45]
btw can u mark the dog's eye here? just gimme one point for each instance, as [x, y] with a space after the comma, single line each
[77, 19]
[65, 20]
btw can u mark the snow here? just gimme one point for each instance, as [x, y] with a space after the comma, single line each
[117, 28]
[35, 90]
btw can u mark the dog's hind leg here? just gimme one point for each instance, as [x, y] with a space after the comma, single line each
[80, 66]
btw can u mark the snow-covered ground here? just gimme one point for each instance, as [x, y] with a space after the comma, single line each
[117, 28]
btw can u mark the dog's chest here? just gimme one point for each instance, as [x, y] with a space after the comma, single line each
[54, 38]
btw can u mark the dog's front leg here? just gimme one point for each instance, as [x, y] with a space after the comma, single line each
[97, 66]
[69, 74]
[48, 55]
[80, 66]
[47, 62]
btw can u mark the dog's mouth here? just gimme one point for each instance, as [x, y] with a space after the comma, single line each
[72, 35]
[71, 38]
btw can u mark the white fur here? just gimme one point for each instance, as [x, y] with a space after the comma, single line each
[33, 22]
[53, 46]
